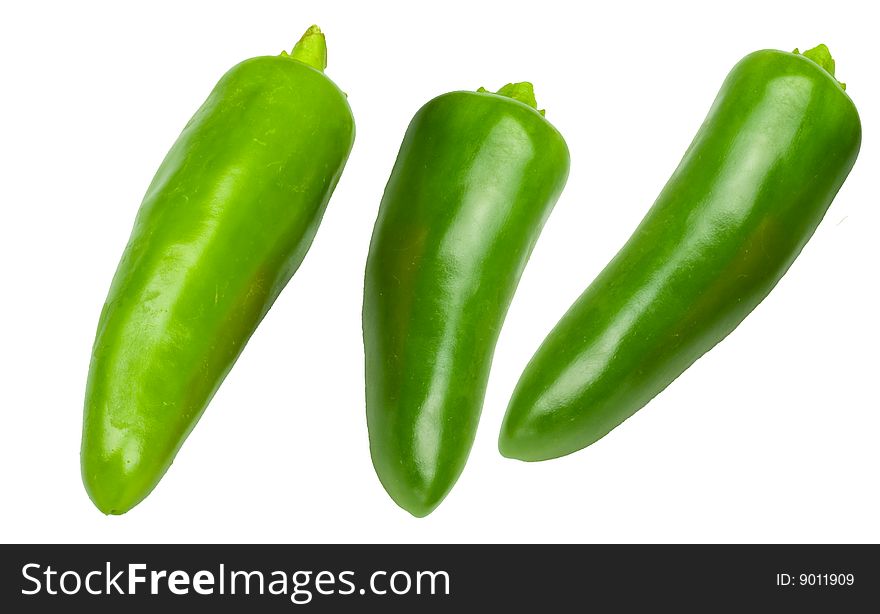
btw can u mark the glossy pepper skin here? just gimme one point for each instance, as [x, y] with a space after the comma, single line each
[776, 147]
[224, 225]
[475, 179]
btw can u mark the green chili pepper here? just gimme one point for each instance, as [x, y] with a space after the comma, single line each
[475, 179]
[774, 150]
[224, 225]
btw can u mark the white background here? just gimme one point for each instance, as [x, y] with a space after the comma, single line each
[771, 437]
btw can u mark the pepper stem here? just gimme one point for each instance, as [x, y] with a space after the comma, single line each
[311, 49]
[821, 55]
[523, 92]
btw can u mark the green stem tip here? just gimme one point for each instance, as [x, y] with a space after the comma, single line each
[311, 49]
[523, 92]
[821, 55]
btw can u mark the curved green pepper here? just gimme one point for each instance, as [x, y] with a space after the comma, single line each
[224, 225]
[475, 179]
[774, 150]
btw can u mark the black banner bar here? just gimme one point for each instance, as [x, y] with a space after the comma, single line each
[435, 578]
